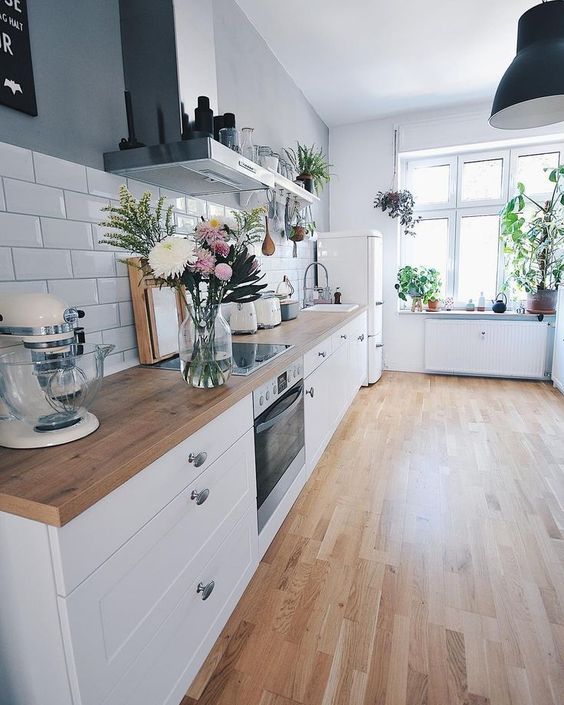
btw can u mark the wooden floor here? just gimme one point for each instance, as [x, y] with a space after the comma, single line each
[423, 562]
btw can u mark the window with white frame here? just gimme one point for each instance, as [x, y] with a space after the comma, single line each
[459, 198]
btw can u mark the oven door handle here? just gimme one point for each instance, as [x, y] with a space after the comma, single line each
[265, 425]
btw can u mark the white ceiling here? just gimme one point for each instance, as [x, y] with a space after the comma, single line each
[361, 59]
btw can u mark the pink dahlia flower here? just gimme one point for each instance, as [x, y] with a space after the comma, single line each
[208, 233]
[221, 248]
[205, 263]
[223, 272]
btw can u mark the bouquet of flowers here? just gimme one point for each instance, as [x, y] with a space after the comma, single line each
[213, 265]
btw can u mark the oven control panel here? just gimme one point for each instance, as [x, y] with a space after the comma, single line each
[272, 390]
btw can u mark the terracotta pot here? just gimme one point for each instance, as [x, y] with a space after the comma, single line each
[298, 233]
[307, 180]
[433, 305]
[542, 301]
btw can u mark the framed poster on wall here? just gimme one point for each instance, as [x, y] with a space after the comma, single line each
[17, 88]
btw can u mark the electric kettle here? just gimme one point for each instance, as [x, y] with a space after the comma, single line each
[243, 318]
[268, 310]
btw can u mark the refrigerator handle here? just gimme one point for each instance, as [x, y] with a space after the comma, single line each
[378, 303]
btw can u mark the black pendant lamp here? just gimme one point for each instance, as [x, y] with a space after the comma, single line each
[531, 92]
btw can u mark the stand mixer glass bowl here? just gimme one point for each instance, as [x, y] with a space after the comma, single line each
[48, 394]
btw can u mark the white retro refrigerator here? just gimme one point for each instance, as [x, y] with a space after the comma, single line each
[354, 261]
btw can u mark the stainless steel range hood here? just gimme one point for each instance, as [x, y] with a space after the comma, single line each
[198, 167]
[162, 69]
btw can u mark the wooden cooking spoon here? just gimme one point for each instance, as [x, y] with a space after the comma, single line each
[268, 246]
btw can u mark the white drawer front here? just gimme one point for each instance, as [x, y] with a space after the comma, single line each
[115, 613]
[316, 356]
[85, 543]
[340, 338]
[165, 669]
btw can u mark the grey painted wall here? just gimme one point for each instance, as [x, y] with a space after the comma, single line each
[78, 69]
[253, 84]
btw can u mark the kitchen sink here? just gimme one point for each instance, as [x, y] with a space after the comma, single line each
[332, 308]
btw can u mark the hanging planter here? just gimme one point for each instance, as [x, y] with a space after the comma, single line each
[398, 203]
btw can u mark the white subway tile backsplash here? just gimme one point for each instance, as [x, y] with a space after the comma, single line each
[58, 172]
[23, 287]
[122, 269]
[42, 263]
[185, 223]
[49, 242]
[100, 317]
[81, 206]
[123, 338]
[217, 211]
[34, 199]
[100, 234]
[113, 289]
[195, 206]
[138, 188]
[114, 363]
[6, 265]
[16, 162]
[69, 234]
[93, 264]
[20, 230]
[100, 183]
[174, 199]
[126, 313]
[75, 292]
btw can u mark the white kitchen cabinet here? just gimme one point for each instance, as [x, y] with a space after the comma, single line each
[558, 360]
[316, 420]
[109, 609]
[334, 379]
[490, 348]
[114, 614]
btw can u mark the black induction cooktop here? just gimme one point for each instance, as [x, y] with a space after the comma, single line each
[247, 357]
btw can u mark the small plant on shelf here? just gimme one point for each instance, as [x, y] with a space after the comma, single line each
[311, 166]
[399, 204]
[422, 284]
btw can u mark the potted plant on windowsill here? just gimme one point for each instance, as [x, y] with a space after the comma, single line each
[533, 240]
[311, 166]
[422, 284]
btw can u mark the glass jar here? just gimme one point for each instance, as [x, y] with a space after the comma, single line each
[204, 345]
[229, 136]
[247, 146]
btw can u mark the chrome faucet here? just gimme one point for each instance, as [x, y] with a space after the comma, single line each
[326, 290]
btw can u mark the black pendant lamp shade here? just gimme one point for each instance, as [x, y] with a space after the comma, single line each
[531, 92]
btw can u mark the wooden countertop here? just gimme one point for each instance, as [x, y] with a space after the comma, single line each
[143, 413]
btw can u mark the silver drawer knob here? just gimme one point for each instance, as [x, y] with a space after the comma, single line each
[200, 497]
[343, 337]
[322, 354]
[361, 337]
[310, 392]
[205, 590]
[198, 459]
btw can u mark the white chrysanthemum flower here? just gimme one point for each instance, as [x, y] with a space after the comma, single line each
[169, 257]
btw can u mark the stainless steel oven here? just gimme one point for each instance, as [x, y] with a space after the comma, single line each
[279, 438]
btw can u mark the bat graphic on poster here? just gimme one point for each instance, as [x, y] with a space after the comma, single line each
[13, 86]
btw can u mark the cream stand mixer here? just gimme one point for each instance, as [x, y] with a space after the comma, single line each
[48, 375]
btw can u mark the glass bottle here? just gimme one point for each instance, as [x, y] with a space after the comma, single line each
[229, 134]
[247, 146]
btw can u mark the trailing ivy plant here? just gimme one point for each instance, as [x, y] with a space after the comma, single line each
[533, 237]
[419, 282]
[399, 204]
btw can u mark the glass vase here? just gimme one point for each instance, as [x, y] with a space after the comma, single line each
[204, 344]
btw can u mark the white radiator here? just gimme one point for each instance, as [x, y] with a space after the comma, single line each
[483, 347]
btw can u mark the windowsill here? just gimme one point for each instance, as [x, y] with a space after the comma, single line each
[460, 313]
